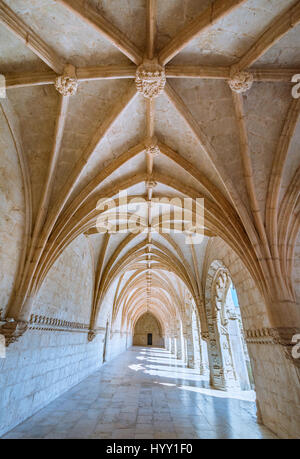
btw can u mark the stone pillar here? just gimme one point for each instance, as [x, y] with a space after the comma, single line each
[173, 345]
[184, 350]
[216, 370]
[179, 347]
[168, 343]
[204, 365]
[238, 354]
[190, 348]
[189, 344]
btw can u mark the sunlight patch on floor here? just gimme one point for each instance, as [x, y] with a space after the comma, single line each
[169, 367]
[247, 395]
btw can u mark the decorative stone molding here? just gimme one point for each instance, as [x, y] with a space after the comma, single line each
[241, 82]
[150, 79]
[13, 329]
[39, 322]
[280, 335]
[259, 336]
[67, 83]
[52, 324]
[283, 336]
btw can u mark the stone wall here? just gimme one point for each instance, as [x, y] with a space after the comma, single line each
[276, 379]
[12, 205]
[296, 270]
[117, 343]
[147, 323]
[55, 354]
[45, 364]
[68, 288]
[39, 368]
[277, 388]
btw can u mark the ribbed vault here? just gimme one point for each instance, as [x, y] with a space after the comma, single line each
[195, 133]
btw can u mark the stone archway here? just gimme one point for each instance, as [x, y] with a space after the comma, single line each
[225, 371]
[147, 325]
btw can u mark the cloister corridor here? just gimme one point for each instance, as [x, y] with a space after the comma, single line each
[145, 393]
[150, 196]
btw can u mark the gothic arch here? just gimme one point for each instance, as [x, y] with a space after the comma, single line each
[223, 369]
[146, 323]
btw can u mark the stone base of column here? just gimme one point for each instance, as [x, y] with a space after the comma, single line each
[220, 383]
[203, 370]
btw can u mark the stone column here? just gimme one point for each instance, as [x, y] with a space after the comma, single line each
[190, 348]
[216, 369]
[179, 347]
[173, 340]
[189, 345]
[184, 350]
[168, 343]
[204, 366]
[238, 353]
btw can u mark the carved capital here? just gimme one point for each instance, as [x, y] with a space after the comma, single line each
[67, 83]
[150, 79]
[91, 335]
[13, 329]
[241, 82]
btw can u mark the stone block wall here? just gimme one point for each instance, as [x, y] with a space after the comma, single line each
[277, 389]
[147, 323]
[39, 368]
[55, 354]
[43, 365]
[118, 342]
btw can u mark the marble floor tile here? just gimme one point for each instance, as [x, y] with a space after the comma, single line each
[145, 393]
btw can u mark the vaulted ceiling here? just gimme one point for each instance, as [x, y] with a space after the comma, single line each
[238, 150]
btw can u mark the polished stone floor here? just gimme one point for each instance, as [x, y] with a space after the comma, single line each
[145, 393]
